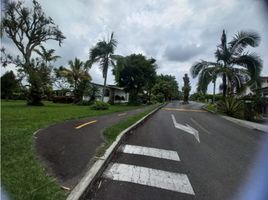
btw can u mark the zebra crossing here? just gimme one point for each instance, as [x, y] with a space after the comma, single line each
[149, 176]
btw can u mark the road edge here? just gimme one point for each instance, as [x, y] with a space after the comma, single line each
[239, 122]
[98, 167]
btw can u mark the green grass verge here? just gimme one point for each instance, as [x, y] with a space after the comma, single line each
[22, 175]
[211, 107]
[112, 132]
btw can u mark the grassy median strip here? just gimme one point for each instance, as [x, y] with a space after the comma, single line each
[112, 132]
[22, 176]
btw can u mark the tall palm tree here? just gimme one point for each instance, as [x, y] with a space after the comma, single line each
[75, 74]
[102, 53]
[236, 68]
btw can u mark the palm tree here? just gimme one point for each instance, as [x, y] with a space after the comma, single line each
[46, 55]
[207, 75]
[76, 74]
[236, 68]
[102, 53]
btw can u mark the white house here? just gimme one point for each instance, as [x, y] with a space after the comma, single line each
[112, 93]
[264, 87]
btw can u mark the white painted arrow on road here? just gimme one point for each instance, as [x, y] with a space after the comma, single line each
[186, 128]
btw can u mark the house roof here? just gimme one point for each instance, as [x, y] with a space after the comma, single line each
[264, 77]
[115, 87]
[109, 86]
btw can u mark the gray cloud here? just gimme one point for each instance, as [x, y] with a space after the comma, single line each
[182, 53]
[176, 33]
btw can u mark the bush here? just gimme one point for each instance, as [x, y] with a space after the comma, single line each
[158, 98]
[19, 96]
[211, 107]
[231, 106]
[85, 103]
[150, 103]
[100, 105]
[63, 99]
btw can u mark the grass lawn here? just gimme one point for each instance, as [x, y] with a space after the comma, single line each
[112, 132]
[22, 175]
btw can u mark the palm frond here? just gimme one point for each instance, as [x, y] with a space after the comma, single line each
[251, 62]
[46, 55]
[88, 64]
[242, 40]
[112, 43]
[203, 81]
[199, 66]
[94, 54]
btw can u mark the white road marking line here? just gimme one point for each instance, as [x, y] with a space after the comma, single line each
[200, 126]
[186, 128]
[148, 151]
[149, 177]
[122, 114]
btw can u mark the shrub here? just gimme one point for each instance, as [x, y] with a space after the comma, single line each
[150, 103]
[211, 107]
[231, 106]
[158, 98]
[100, 105]
[19, 96]
[85, 103]
[63, 99]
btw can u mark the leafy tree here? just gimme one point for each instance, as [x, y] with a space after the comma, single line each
[9, 84]
[135, 73]
[237, 68]
[102, 53]
[167, 86]
[77, 75]
[186, 88]
[28, 29]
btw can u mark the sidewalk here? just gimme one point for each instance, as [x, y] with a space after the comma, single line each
[67, 149]
[248, 124]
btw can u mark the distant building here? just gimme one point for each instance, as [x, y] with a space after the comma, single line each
[112, 93]
[264, 87]
[264, 93]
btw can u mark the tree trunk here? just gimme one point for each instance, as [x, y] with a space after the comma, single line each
[214, 87]
[35, 92]
[224, 85]
[104, 86]
[111, 96]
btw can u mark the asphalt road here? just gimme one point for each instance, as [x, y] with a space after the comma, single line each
[213, 169]
[67, 149]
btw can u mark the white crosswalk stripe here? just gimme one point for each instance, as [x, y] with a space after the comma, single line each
[148, 151]
[149, 177]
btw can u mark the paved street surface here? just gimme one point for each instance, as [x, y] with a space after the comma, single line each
[181, 152]
[67, 149]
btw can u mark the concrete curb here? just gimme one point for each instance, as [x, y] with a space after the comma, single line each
[239, 121]
[98, 167]
[247, 124]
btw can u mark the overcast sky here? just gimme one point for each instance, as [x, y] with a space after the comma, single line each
[176, 33]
